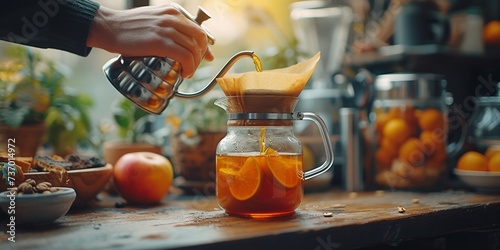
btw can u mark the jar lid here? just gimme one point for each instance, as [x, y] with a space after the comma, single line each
[410, 86]
[489, 101]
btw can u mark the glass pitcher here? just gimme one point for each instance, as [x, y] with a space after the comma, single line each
[259, 161]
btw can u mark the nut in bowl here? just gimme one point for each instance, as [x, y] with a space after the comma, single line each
[36, 203]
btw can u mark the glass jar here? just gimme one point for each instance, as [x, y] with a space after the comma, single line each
[408, 132]
[259, 171]
[484, 125]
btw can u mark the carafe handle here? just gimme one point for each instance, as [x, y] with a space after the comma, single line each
[328, 163]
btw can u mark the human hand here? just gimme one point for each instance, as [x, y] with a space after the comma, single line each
[161, 31]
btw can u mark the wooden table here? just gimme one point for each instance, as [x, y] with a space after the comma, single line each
[368, 219]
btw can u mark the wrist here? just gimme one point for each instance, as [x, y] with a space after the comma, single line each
[100, 33]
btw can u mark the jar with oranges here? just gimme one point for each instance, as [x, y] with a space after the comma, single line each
[408, 131]
[484, 135]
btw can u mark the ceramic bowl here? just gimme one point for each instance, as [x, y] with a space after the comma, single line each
[480, 180]
[38, 208]
[86, 182]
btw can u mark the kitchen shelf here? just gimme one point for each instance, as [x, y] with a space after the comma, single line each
[468, 76]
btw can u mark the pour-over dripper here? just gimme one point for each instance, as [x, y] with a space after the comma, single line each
[258, 109]
[257, 103]
[265, 92]
[289, 81]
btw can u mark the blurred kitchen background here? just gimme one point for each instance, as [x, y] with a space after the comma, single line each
[358, 40]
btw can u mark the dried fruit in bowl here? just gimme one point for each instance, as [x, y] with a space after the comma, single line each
[60, 165]
[25, 163]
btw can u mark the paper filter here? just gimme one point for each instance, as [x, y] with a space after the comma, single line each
[287, 81]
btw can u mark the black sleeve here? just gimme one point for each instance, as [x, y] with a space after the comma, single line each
[57, 24]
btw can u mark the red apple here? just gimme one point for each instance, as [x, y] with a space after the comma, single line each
[143, 177]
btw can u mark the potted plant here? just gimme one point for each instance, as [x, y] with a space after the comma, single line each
[197, 127]
[36, 106]
[135, 132]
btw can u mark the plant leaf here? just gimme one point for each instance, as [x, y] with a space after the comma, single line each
[14, 117]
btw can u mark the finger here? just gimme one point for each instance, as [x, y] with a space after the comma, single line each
[184, 58]
[209, 55]
[195, 40]
[195, 30]
[179, 47]
[190, 36]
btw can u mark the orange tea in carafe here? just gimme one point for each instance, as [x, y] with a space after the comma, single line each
[260, 185]
[254, 179]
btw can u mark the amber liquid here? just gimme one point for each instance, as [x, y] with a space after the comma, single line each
[272, 198]
[258, 64]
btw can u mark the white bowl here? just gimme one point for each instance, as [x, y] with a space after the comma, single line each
[37, 208]
[480, 180]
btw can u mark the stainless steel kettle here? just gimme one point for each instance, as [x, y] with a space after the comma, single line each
[150, 82]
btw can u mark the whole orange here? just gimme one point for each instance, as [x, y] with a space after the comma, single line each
[491, 33]
[143, 177]
[411, 152]
[381, 121]
[491, 151]
[473, 161]
[397, 131]
[389, 147]
[494, 163]
[438, 158]
[408, 113]
[432, 142]
[383, 159]
[431, 119]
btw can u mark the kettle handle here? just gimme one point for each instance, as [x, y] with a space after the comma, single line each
[221, 73]
[328, 163]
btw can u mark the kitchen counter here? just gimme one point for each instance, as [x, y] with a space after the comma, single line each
[356, 220]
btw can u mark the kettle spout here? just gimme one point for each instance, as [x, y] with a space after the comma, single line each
[221, 73]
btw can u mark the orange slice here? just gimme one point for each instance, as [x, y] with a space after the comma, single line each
[271, 151]
[286, 172]
[243, 184]
[228, 174]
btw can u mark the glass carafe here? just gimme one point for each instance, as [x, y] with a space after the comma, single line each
[259, 161]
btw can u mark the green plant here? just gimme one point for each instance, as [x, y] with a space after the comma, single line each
[129, 119]
[32, 90]
[136, 125]
[189, 118]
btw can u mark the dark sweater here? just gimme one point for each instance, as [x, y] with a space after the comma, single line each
[58, 24]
